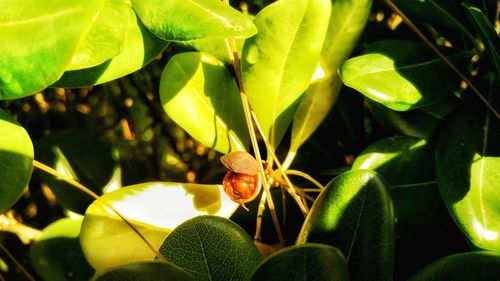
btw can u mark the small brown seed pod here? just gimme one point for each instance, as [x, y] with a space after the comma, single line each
[240, 162]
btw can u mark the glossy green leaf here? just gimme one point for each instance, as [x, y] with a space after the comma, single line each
[212, 248]
[145, 271]
[354, 213]
[180, 20]
[468, 174]
[473, 266]
[486, 32]
[140, 48]
[401, 75]
[57, 254]
[314, 106]
[16, 161]
[304, 262]
[200, 95]
[407, 163]
[439, 12]
[347, 21]
[38, 41]
[79, 156]
[155, 209]
[105, 38]
[278, 62]
[216, 47]
[420, 122]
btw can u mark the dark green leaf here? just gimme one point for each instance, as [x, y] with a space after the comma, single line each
[155, 208]
[487, 33]
[57, 254]
[145, 271]
[401, 75]
[468, 174]
[105, 38]
[473, 266]
[407, 163]
[79, 156]
[420, 122]
[354, 213]
[140, 48]
[200, 95]
[180, 20]
[38, 41]
[440, 12]
[212, 248]
[304, 263]
[279, 61]
[16, 161]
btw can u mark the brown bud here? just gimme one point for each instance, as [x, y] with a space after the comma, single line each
[240, 162]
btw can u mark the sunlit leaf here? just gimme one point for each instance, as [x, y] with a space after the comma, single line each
[401, 75]
[278, 62]
[57, 254]
[473, 266]
[216, 47]
[79, 156]
[468, 174]
[144, 271]
[407, 163]
[16, 161]
[155, 209]
[304, 262]
[200, 95]
[354, 213]
[212, 248]
[38, 41]
[140, 48]
[347, 20]
[180, 20]
[105, 38]
[486, 32]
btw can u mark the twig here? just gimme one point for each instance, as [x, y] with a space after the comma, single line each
[18, 264]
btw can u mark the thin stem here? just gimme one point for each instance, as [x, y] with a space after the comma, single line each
[251, 130]
[305, 176]
[441, 56]
[18, 264]
[25, 233]
[291, 188]
[81, 187]
[260, 213]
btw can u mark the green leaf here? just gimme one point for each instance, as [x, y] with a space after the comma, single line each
[57, 254]
[304, 262]
[144, 271]
[279, 61]
[420, 122]
[354, 213]
[155, 209]
[439, 12]
[314, 106]
[486, 32]
[80, 156]
[180, 20]
[407, 163]
[473, 266]
[38, 41]
[140, 48]
[214, 46]
[401, 75]
[16, 161]
[468, 174]
[212, 248]
[105, 38]
[200, 95]
[347, 21]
